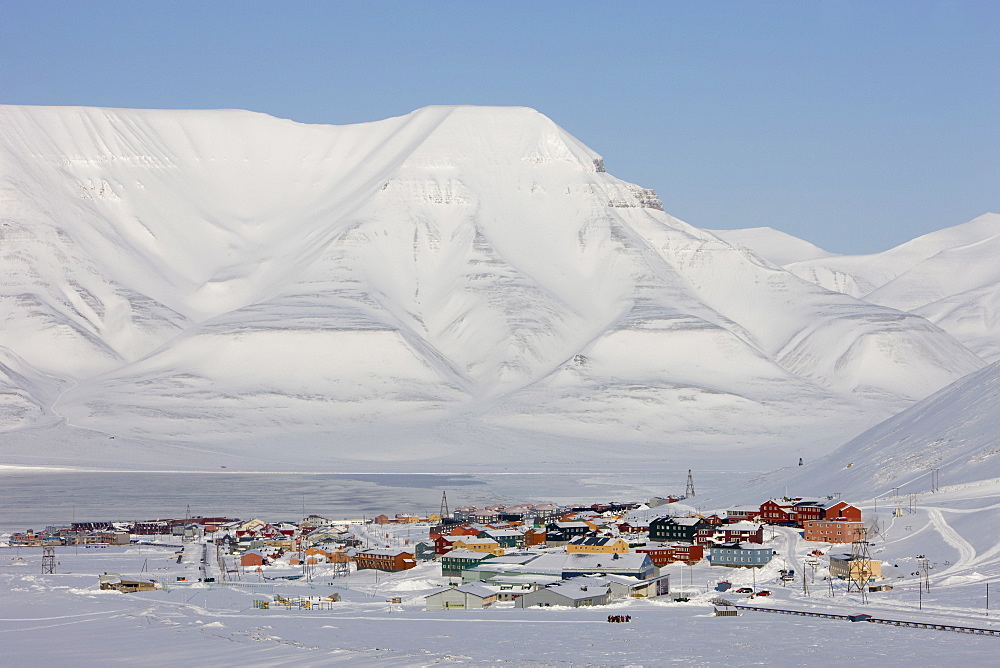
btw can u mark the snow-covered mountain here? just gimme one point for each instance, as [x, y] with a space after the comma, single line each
[955, 431]
[951, 277]
[774, 245]
[217, 276]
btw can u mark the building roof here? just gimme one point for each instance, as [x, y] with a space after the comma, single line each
[386, 552]
[578, 592]
[465, 554]
[744, 509]
[468, 540]
[525, 578]
[687, 521]
[736, 545]
[595, 541]
[742, 525]
[580, 561]
[606, 578]
[477, 589]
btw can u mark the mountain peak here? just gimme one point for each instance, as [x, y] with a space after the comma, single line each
[492, 136]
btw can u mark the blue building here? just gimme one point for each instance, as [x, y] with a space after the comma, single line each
[736, 555]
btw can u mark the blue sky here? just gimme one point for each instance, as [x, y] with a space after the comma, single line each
[854, 125]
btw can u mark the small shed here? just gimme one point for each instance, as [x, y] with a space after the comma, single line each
[471, 596]
[117, 583]
[726, 611]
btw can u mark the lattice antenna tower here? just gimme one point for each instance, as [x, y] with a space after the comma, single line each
[689, 491]
[48, 561]
[444, 506]
[857, 576]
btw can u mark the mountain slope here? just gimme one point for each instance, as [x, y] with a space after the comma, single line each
[773, 245]
[955, 431]
[218, 276]
[950, 277]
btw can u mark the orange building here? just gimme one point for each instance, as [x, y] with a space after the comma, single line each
[385, 559]
[832, 531]
[534, 537]
[842, 510]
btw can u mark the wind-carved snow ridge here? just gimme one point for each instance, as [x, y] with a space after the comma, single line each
[462, 277]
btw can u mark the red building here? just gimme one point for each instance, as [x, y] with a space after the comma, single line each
[738, 532]
[387, 559]
[534, 537]
[792, 511]
[833, 531]
[443, 544]
[672, 552]
[843, 510]
[626, 527]
[252, 559]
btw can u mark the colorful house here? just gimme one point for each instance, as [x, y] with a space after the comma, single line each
[663, 555]
[849, 567]
[454, 562]
[385, 559]
[670, 529]
[833, 531]
[478, 544]
[737, 555]
[597, 544]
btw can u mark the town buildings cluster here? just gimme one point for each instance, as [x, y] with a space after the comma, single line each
[531, 554]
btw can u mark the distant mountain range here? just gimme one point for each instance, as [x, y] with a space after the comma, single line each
[951, 277]
[460, 277]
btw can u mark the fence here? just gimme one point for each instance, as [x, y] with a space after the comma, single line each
[876, 620]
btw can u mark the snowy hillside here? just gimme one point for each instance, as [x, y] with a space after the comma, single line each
[779, 247]
[215, 276]
[951, 277]
[956, 431]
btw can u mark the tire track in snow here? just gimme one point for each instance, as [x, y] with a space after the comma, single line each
[966, 553]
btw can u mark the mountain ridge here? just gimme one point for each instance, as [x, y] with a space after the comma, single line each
[217, 276]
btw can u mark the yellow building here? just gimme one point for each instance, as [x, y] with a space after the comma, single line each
[850, 568]
[482, 545]
[599, 544]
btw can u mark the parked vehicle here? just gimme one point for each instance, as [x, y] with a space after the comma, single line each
[744, 590]
[763, 592]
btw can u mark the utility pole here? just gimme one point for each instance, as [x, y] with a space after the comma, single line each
[805, 587]
[923, 575]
